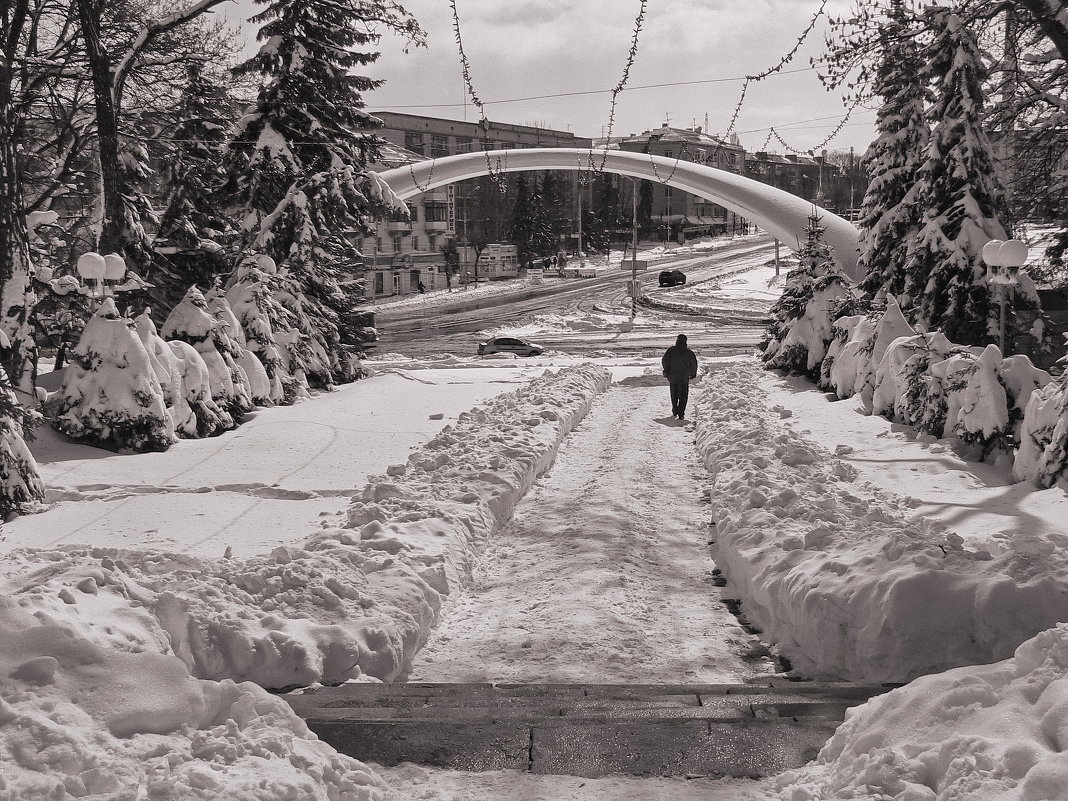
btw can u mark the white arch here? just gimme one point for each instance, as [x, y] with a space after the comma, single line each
[782, 214]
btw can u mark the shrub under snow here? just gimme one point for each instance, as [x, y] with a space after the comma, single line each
[111, 396]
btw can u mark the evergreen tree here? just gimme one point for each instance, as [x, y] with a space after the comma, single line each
[297, 161]
[520, 228]
[190, 222]
[542, 239]
[816, 293]
[959, 192]
[890, 216]
[553, 204]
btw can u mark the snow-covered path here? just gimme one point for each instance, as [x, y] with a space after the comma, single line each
[604, 574]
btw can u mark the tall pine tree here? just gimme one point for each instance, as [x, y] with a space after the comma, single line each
[891, 216]
[959, 191]
[520, 226]
[296, 170]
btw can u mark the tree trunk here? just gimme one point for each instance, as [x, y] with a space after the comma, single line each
[20, 357]
[112, 239]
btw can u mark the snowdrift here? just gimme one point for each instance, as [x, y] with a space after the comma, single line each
[120, 666]
[991, 732]
[838, 573]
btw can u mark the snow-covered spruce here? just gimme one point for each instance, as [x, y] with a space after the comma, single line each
[816, 293]
[183, 376]
[1043, 454]
[982, 732]
[110, 396]
[352, 601]
[260, 315]
[841, 576]
[192, 323]
[234, 339]
[20, 483]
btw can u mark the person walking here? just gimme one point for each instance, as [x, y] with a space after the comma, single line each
[680, 365]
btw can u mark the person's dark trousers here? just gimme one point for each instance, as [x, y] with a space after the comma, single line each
[680, 393]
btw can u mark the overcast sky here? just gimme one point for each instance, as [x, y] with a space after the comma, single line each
[527, 48]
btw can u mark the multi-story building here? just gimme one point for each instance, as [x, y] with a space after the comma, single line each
[451, 218]
[677, 214]
[805, 176]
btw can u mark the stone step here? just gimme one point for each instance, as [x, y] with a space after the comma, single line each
[589, 730]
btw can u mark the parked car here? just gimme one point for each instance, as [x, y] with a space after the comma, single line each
[672, 278]
[520, 347]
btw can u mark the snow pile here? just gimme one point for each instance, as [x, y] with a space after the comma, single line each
[840, 575]
[102, 642]
[80, 719]
[991, 732]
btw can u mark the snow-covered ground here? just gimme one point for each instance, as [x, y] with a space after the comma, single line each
[122, 647]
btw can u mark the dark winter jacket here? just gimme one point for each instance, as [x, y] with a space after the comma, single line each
[680, 363]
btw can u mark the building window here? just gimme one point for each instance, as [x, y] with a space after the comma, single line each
[436, 212]
[463, 144]
[398, 242]
[415, 243]
[667, 191]
[414, 211]
[439, 145]
[668, 153]
[414, 141]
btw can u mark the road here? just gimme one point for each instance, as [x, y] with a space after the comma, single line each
[452, 327]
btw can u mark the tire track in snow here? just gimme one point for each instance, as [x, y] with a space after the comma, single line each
[604, 573]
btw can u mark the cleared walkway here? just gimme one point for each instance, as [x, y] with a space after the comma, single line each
[604, 575]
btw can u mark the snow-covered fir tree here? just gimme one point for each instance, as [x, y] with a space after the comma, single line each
[520, 229]
[192, 323]
[890, 214]
[258, 381]
[959, 191]
[111, 396]
[260, 315]
[816, 293]
[20, 483]
[297, 162]
[192, 233]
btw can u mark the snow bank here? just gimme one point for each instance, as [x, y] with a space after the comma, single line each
[125, 642]
[991, 732]
[840, 575]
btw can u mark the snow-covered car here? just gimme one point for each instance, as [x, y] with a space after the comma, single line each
[672, 278]
[520, 347]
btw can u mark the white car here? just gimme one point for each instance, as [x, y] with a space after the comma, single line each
[520, 347]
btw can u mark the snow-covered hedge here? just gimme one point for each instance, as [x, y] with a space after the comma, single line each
[842, 577]
[1004, 406]
[357, 600]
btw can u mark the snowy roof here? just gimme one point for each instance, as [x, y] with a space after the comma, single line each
[668, 134]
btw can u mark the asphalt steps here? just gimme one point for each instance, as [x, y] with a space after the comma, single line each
[589, 730]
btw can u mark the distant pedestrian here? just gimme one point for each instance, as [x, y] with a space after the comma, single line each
[680, 365]
[422, 287]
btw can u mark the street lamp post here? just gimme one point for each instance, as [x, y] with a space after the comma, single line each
[634, 250]
[1004, 260]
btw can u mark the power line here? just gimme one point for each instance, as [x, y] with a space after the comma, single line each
[588, 92]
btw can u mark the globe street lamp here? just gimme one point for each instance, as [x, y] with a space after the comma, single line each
[1004, 260]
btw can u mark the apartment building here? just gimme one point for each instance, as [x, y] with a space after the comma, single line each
[677, 214]
[456, 216]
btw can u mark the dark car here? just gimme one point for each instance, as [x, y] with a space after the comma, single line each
[520, 347]
[672, 278]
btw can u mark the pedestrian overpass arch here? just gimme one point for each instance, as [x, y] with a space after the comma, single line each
[783, 215]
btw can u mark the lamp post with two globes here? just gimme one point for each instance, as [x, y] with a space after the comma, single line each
[1004, 258]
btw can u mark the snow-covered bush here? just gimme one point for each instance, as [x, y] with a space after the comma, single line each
[192, 323]
[20, 483]
[1043, 454]
[196, 414]
[111, 396]
[259, 382]
[856, 361]
[902, 382]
